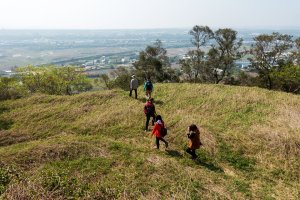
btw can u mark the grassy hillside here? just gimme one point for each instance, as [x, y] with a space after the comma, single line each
[92, 145]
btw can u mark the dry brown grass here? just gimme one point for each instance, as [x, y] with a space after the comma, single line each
[97, 138]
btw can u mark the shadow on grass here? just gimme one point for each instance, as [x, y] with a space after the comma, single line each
[174, 153]
[5, 125]
[209, 165]
[3, 109]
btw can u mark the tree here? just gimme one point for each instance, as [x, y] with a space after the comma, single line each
[223, 54]
[297, 52]
[121, 78]
[268, 54]
[105, 78]
[153, 62]
[187, 66]
[194, 64]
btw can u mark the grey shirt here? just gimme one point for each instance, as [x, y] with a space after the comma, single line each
[134, 84]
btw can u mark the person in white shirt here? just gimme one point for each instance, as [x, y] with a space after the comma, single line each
[134, 84]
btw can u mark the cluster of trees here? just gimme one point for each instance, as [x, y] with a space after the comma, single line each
[275, 61]
[153, 63]
[274, 58]
[213, 64]
[49, 80]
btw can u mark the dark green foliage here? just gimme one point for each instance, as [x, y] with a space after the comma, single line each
[153, 63]
[222, 56]
[287, 78]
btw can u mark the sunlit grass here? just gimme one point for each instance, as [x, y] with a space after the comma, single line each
[92, 145]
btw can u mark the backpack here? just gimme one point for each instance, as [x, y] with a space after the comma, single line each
[163, 132]
[148, 85]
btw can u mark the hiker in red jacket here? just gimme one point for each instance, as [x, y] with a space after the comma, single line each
[149, 110]
[157, 131]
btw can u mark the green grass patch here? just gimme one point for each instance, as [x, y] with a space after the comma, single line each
[237, 159]
[92, 145]
[71, 178]
[4, 180]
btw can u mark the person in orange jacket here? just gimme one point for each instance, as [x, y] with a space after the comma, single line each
[159, 125]
[194, 142]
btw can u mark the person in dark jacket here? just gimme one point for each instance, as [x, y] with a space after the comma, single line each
[159, 125]
[194, 140]
[149, 110]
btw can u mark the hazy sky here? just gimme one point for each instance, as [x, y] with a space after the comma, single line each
[119, 14]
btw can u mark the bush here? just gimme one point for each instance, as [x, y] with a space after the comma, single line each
[247, 79]
[10, 88]
[287, 79]
[53, 80]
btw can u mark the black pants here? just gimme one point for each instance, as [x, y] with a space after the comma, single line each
[162, 139]
[148, 119]
[135, 90]
[192, 152]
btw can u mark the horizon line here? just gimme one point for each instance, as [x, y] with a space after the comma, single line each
[157, 28]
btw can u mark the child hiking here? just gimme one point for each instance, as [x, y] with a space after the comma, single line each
[157, 131]
[194, 140]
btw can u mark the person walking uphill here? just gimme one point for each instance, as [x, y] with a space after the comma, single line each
[134, 84]
[157, 131]
[194, 143]
[148, 87]
[149, 110]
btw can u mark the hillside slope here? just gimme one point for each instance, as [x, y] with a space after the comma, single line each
[92, 145]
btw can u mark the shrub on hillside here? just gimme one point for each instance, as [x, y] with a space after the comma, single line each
[287, 79]
[120, 78]
[247, 79]
[53, 80]
[10, 88]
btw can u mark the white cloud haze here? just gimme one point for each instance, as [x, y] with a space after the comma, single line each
[119, 14]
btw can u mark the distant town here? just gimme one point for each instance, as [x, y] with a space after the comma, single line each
[98, 51]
